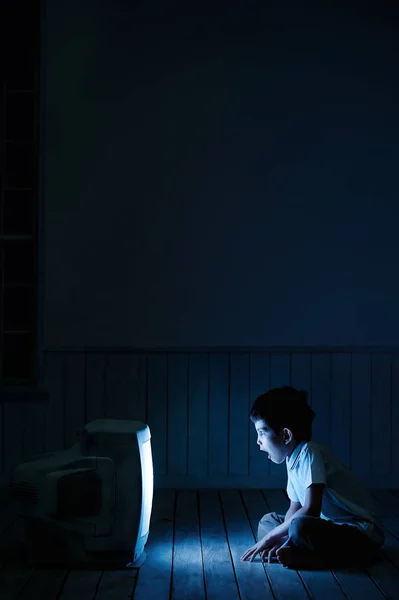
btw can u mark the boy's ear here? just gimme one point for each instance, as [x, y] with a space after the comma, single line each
[287, 435]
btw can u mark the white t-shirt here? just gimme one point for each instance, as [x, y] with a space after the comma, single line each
[345, 498]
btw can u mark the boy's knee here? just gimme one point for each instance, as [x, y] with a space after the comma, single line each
[267, 523]
[301, 527]
[271, 518]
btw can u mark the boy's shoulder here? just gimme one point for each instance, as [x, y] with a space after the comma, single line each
[312, 452]
[316, 451]
[311, 447]
[300, 455]
[309, 451]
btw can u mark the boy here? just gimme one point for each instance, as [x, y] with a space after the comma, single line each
[330, 520]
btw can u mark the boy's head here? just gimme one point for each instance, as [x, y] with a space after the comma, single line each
[282, 418]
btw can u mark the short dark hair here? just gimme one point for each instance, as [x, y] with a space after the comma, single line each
[285, 407]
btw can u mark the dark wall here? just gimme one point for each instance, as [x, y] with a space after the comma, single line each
[220, 173]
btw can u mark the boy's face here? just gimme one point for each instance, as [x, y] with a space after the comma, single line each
[277, 447]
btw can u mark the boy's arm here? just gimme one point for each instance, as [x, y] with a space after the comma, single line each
[311, 508]
[293, 508]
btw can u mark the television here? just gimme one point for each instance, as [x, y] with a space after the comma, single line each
[89, 504]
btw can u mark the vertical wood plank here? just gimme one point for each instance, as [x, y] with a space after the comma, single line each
[381, 413]
[55, 383]
[301, 373]
[135, 410]
[33, 438]
[280, 366]
[198, 414]
[361, 415]
[142, 399]
[13, 437]
[157, 409]
[218, 413]
[24, 432]
[1, 438]
[121, 386]
[95, 386]
[395, 414]
[177, 413]
[321, 375]
[277, 500]
[238, 414]
[340, 416]
[280, 369]
[74, 407]
[259, 383]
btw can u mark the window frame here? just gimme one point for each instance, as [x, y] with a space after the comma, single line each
[27, 80]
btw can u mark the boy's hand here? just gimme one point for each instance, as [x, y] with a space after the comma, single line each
[267, 547]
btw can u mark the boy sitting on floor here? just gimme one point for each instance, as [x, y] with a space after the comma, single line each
[330, 520]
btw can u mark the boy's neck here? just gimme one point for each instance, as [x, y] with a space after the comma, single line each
[292, 448]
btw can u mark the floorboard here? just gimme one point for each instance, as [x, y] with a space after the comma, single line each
[196, 540]
[188, 572]
[45, 584]
[155, 576]
[80, 585]
[252, 579]
[13, 578]
[116, 585]
[219, 571]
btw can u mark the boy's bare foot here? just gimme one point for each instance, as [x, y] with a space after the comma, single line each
[291, 558]
[286, 556]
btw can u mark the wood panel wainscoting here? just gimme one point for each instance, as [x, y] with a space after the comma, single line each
[196, 403]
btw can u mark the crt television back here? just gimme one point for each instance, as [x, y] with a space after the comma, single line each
[91, 502]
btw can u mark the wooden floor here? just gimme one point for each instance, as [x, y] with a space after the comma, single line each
[193, 552]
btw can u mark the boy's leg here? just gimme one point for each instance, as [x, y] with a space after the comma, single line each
[268, 523]
[328, 543]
